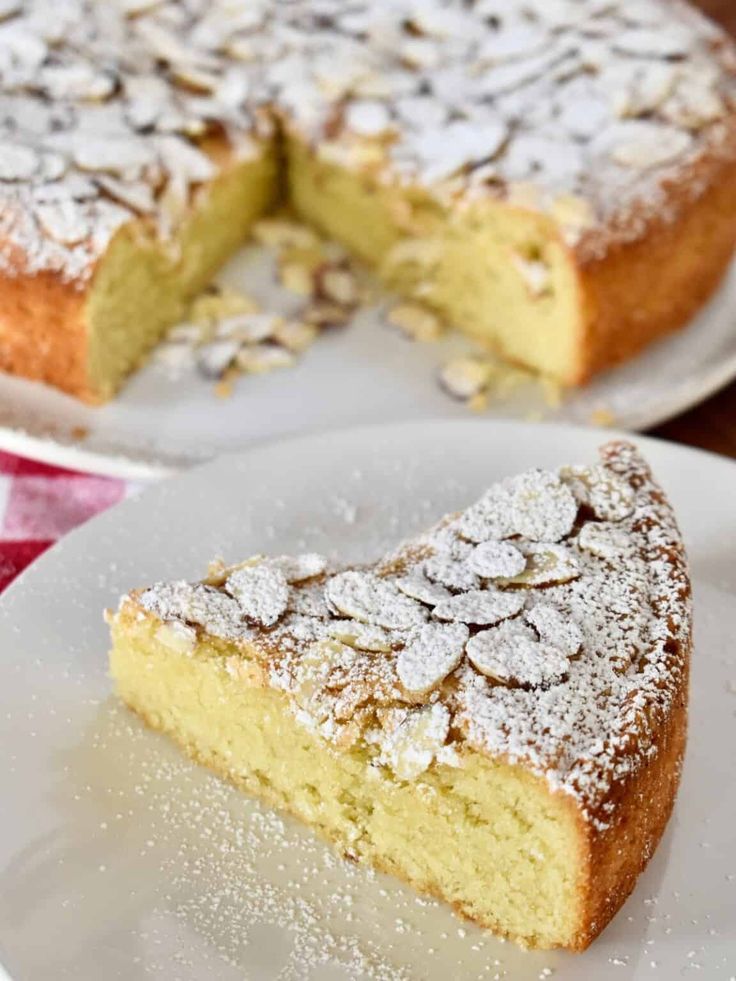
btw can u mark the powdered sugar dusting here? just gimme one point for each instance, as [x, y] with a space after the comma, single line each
[583, 111]
[567, 666]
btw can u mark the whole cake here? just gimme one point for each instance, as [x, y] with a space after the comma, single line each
[556, 177]
[495, 712]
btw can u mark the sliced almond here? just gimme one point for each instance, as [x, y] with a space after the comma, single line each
[262, 593]
[465, 377]
[416, 322]
[64, 221]
[337, 285]
[213, 359]
[432, 653]
[607, 495]
[297, 568]
[491, 560]
[177, 636]
[259, 359]
[449, 572]
[295, 336]
[136, 195]
[511, 654]
[542, 507]
[361, 636]
[418, 587]
[366, 597]
[17, 162]
[605, 540]
[250, 328]
[555, 628]
[414, 744]
[547, 563]
[481, 607]
[325, 315]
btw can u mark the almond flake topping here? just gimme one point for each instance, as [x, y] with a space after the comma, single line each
[366, 597]
[262, 593]
[589, 635]
[542, 508]
[609, 498]
[433, 652]
[418, 587]
[480, 606]
[547, 563]
[296, 568]
[555, 628]
[412, 747]
[451, 573]
[492, 560]
[512, 654]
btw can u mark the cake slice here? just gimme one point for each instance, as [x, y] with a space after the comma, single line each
[495, 712]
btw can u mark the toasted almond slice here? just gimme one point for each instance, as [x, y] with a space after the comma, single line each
[259, 359]
[297, 568]
[136, 195]
[112, 155]
[416, 322]
[251, 328]
[547, 564]
[449, 572]
[607, 495]
[414, 744]
[17, 162]
[418, 587]
[64, 221]
[367, 118]
[177, 636]
[295, 336]
[325, 315]
[464, 377]
[496, 559]
[366, 597]
[489, 518]
[262, 593]
[308, 598]
[337, 285]
[555, 628]
[604, 539]
[542, 507]
[512, 655]
[213, 359]
[481, 607]
[433, 652]
[361, 636]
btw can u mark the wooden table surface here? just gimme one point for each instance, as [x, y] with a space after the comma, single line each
[712, 425]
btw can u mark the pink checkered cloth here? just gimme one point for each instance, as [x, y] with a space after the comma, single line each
[40, 503]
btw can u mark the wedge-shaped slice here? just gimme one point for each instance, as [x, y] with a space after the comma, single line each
[520, 766]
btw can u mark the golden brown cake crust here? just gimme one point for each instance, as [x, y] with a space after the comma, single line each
[647, 286]
[43, 333]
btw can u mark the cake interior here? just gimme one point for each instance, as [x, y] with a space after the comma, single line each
[500, 273]
[488, 837]
[143, 284]
[497, 271]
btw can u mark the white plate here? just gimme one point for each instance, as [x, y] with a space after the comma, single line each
[120, 859]
[366, 374]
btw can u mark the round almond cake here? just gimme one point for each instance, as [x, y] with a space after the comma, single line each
[557, 178]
